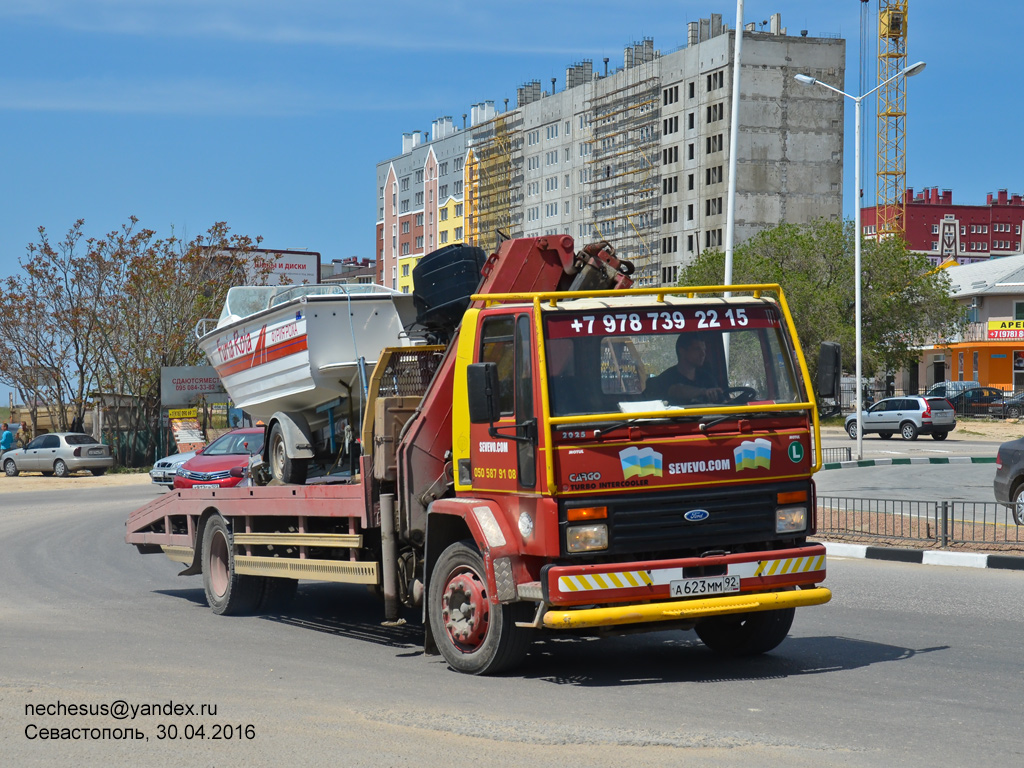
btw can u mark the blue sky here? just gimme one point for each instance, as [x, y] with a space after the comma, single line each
[271, 116]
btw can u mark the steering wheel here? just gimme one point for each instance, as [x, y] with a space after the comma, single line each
[739, 395]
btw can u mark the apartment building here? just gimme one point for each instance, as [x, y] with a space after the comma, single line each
[637, 154]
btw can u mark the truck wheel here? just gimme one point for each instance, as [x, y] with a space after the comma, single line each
[277, 594]
[10, 468]
[284, 468]
[227, 593]
[908, 430]
[746, 634]
[474, 635]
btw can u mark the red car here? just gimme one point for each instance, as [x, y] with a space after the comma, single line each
[221, 464]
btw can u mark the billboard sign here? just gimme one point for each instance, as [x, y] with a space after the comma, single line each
[185, 385]
[282, 267]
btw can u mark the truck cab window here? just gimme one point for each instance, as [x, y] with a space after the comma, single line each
[496, 346]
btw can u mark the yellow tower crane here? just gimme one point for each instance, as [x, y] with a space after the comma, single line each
[892, 111]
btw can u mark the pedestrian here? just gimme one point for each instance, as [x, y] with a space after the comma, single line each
[24, 436]
[6, 439]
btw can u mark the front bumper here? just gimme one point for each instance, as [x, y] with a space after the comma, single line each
[684, 609]
[630, 593]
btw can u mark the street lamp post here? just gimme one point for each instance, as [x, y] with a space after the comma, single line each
[913, 69]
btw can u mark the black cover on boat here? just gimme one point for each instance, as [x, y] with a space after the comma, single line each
[443, 281]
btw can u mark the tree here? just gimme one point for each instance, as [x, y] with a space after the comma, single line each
[104, 315]
[905, 301]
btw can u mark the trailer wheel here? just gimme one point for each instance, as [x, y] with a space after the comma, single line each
[746, 634]
[227, 592]
[474, 635]
[284, 468]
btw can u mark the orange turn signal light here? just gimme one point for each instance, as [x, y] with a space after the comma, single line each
[792, 497]
[586, 513]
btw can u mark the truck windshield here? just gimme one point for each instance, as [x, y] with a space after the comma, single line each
[667, 357]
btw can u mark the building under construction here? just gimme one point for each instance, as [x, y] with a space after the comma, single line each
[635, 152]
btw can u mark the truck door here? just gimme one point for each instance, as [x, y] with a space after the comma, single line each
[507, 461]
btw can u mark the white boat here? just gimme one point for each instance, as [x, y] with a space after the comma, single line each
[295, 348]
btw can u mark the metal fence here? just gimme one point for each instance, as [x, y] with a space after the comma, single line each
[941, 523]
[835, 455]
[1006, 406]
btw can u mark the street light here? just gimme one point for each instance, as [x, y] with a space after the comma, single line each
[913, 69]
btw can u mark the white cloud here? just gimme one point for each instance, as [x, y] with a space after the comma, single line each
[180, 97]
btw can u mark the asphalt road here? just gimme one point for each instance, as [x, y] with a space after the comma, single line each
[908, 665]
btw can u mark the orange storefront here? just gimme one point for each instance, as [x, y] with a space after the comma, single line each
[996, 361]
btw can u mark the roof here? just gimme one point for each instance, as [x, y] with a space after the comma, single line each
[1003, 275]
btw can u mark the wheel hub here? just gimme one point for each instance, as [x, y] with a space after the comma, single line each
[464, 610]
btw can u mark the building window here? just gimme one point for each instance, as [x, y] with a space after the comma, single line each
[1018, 310]
[458, 209]
[405, 270]
[689, 151]
[419, 219]
[419, 243]
[444, 236]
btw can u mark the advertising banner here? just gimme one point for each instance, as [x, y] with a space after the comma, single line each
[1005, 329]
[185, 385]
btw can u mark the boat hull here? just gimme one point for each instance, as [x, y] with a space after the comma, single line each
[302, 354]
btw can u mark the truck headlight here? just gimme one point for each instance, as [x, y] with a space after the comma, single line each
[790, 519]
[586, 538]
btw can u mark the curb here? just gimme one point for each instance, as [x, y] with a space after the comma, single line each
[915, 460]
[925, 556]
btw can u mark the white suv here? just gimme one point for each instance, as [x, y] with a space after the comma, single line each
[910, 416]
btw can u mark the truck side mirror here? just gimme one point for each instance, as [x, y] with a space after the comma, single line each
[829, 370]
[482, 381]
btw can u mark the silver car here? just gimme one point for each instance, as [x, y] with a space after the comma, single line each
[909, 416]
[60, 454]
[164, 470]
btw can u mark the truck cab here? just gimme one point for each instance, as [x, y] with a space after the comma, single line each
[635, 446]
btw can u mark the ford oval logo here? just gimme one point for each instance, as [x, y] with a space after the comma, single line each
[695, 515]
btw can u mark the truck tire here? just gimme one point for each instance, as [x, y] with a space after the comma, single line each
[746, 634]
[283, 467]
[227, 592]
[474, 635]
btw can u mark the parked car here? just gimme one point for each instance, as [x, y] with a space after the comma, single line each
[1010, 407]
[164, 470]
[976, 401]
[60, 454]
[223, 462]
[949, 388]
[1009, 481]
[910, 416]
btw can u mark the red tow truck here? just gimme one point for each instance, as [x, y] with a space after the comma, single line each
[529, 476]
